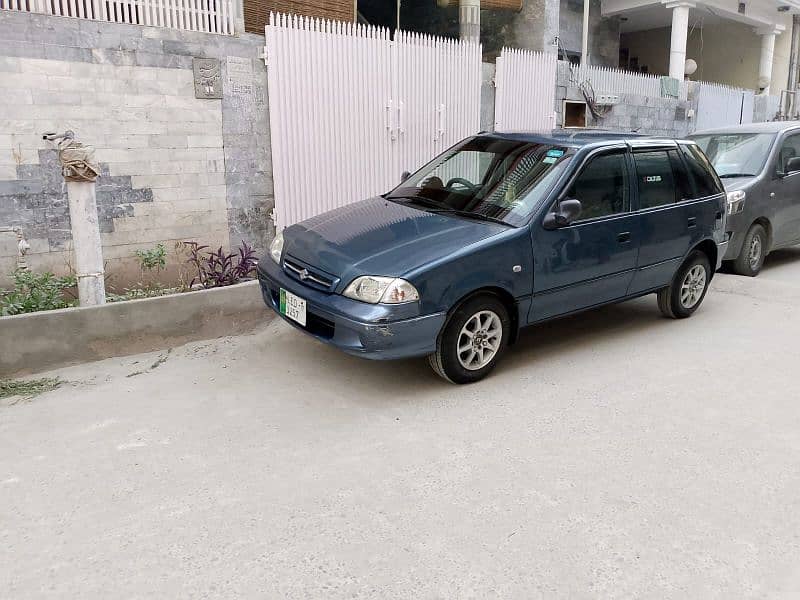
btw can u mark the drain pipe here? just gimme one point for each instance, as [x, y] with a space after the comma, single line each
[22, 246]
[793, 55]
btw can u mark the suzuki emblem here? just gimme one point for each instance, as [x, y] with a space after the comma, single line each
[303, 274]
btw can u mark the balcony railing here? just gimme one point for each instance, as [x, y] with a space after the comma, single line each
[208, 16]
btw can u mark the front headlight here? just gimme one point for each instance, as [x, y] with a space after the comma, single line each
[386, 290]
[736, 202]
[276, 248]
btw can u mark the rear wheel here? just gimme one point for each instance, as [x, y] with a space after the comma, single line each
[754, 251]
[472, 340]
[688, 288]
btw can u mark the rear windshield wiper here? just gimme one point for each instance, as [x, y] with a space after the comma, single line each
[729, 175]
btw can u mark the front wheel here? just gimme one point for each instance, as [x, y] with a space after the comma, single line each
[754, 251]
[472, 340]
[688, 288]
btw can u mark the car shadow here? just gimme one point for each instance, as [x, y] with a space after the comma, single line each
[781, 258]
[413, 378]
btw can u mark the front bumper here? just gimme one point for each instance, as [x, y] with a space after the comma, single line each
[354, 327]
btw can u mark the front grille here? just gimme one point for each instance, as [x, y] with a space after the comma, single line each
[308, 275]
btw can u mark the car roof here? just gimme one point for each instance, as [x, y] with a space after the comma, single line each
[768, 127]
[578, 138]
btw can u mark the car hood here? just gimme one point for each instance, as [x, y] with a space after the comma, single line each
[379, 237]
[732, 184]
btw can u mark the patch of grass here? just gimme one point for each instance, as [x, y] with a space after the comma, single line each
[27, 389]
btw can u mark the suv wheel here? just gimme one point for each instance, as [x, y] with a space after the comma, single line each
[754, 250]
[688, 288]
[472, 340]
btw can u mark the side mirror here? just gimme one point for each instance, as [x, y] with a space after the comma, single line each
[404, 175]
[793, 165]
[565, 213]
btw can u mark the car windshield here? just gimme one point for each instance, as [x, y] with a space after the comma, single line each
[486, 178]
[736, 154]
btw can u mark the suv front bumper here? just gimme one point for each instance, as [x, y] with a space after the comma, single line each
[380, 332]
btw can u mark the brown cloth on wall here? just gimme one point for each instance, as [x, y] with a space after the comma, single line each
[256, 12]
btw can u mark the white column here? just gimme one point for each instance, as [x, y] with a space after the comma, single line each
[766, 58]
[469, 18]
[86, 242]
[680, 31]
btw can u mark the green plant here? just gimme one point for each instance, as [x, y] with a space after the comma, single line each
[139, 293]
[152, 259]
[34, 292]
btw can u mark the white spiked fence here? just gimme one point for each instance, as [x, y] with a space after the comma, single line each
[350, 108]
[721, 105]
[605, 80]
[208, 16]
[525, 97]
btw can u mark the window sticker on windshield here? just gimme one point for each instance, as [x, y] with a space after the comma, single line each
[652, 178]
[554, 154]
[549, 160]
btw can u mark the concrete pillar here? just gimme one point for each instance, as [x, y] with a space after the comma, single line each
[469, 20]
[536, 26]
[585, 33]
[86, 242]
[679, 33]
[766, 57]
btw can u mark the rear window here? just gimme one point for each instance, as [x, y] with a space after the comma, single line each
[655, 177]
[701, 173]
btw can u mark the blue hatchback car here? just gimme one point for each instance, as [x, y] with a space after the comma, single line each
[497, 233]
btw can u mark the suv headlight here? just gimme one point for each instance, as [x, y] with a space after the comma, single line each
[736, 202]
[386, 290]
[276, 248]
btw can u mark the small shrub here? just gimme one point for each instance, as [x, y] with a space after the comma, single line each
[219, 268]
[34, 292]
[139, 293]
[153, 259]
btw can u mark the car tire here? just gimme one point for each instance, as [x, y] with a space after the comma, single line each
[688, 288]
[481, 328]
[754, 250]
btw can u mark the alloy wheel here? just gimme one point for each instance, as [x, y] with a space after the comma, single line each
[694, 283]
[479, 340]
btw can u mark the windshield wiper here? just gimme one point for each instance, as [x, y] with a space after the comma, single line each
[479, 217]
[729, 175]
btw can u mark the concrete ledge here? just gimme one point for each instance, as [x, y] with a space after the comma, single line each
[46, 340]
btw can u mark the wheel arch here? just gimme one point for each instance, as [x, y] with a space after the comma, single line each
[501, 294]
[767, 225]
[709, 248]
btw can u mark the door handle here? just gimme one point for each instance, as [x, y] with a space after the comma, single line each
[624, 237]
[692, 221]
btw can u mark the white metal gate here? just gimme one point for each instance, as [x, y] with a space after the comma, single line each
[721, 105]
[350, 109]
[525, 98]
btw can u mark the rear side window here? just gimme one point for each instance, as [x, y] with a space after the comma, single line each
[602, 187]
[702, 174]
[656, 179]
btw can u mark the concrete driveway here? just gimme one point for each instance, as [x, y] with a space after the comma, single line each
[615, 454]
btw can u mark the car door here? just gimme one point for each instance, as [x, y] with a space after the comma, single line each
[783, 193]
[666, 222]
[590, 261]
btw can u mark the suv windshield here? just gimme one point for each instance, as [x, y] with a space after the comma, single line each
[486, 178]
[736, 154]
